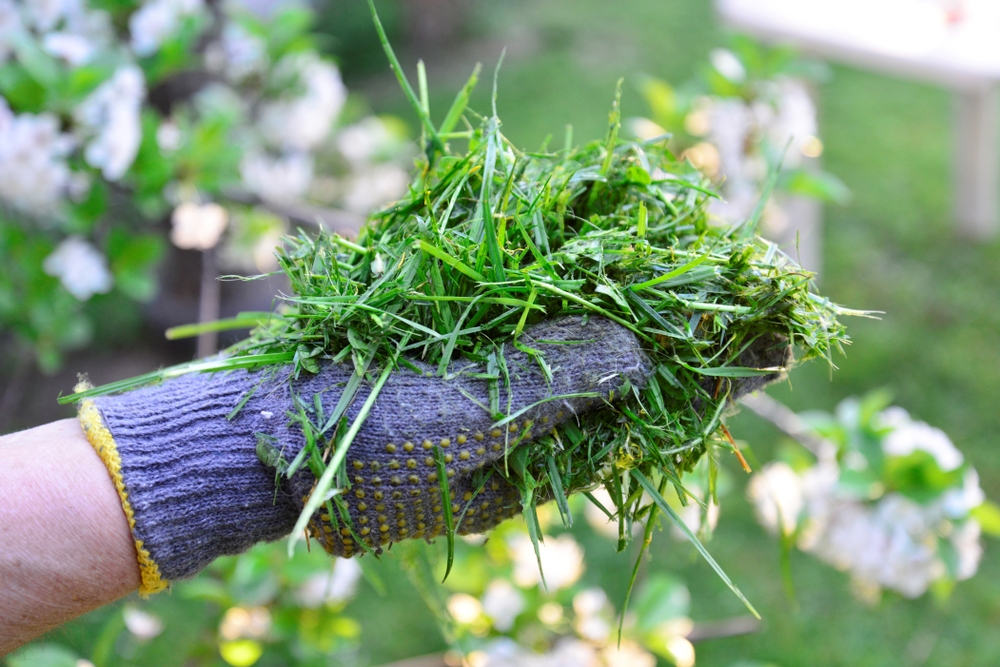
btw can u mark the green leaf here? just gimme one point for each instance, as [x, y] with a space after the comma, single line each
[918, 476]
[461, 102]
[663, 598]
[819, 185]
[988, 516]
[22, 92]
[636, 174]
[43, 655]
[133, 260]
[42, 67]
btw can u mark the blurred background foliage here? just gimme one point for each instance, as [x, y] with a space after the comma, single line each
[890, 248]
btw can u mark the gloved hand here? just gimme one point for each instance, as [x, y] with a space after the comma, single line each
[187, 467]
[193, 487]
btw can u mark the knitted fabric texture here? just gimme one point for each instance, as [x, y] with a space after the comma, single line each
[197, 489]
[394, 491]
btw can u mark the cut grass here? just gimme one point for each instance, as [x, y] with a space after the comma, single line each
[491, 240]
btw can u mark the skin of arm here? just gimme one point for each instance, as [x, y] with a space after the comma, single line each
[65, 543]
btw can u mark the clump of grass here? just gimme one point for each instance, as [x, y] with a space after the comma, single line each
[489, 240]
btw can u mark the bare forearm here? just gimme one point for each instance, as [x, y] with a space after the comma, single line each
[65, 544]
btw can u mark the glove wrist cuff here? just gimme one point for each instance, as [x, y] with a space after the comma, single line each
[189, 479]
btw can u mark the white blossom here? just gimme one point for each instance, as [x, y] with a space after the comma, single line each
[590, 602]
[280, 178]
[630, 654]
[681, 650]
[331, 587]
[82, 33]
[777, 494]
[168, 136]
[790, 117]
[10, 23]
[364, 140]
[33, 171]
[302, 121]
[918, 436]
[464, 608]
[731, 125]
[746, 134]
[891, 542]
[561, 561]
[728, 65]
[45, 14]
[593, 614]
[692, 516]
[74, 49]
[238, 622]
[237, 54]
[965, 540]
[142, 624]
[80, 267]
[375, 187]
[158, 20]
[110, 115]
[567, 652]
[502, 603]
[957, 503]
[198, 226]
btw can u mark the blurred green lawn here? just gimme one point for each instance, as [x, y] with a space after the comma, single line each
[892, 249]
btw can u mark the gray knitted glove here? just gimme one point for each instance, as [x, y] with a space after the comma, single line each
[194, 488]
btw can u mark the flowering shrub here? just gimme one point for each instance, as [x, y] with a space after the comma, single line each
[258, 607]
[889, 499]
[748, 113]
[510, 606]
[115, 113]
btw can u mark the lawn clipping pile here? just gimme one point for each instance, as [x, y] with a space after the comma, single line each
[492, 240]
[489, 241]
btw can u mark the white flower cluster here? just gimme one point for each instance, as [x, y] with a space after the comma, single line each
[742, 134]
[331, 587]
[282, 115]
[80, 267]
[66, 28]
[280, 167]
[33, 171]
[158, 20]
[111, 116]
[567, 652]
[583, 632]
[738, 137]
[594, 642]
[560, 558]
[887, 539]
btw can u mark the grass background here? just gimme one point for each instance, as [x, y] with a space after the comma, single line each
[937, 348]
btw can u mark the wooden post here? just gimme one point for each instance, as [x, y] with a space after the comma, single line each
[977, 163]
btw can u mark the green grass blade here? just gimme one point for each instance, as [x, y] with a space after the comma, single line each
[451, 261]
[241, 321]
[680, 270]
[460, 103]
[203, 366]
[425, 119]
[325, 482]
[669, 511]
[449, 519]
[555, 479]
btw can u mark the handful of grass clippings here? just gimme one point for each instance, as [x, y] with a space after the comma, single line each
[491, 240]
